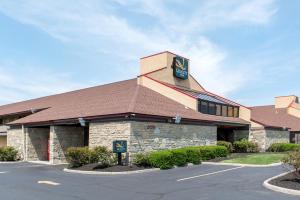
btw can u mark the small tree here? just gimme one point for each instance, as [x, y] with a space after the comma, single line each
[293, 160]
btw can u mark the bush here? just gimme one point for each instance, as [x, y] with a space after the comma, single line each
[8, 154]
[193, 155]
[142, 159]
[102, 155]
[245, 146]
[228, 145]
[179, 157]
[162, 159]
[79, 156]
[283, 147]
[212, 152]
[293, 159]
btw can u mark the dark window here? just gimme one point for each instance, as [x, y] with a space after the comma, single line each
[236, 111]
[224, 111]
[218, 109]
[204, 107]
[230, 111]
[1, 121]
[212, 108]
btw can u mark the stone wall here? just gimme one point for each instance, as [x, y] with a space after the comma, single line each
[240, 134]
[147, 136]
[15, 138]
[37, 143]
[61, 138]
[3, 141]
[265, 137]
[276, 136]
[103, 134]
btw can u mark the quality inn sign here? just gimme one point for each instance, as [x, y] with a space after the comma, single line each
[180, 67]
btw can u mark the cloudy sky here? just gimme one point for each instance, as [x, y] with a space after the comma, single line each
[247, 50]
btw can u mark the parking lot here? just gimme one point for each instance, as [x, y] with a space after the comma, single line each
[34, 181]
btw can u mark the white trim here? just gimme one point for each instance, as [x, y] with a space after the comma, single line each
[241, 165]
[267, 185]
[109, 173]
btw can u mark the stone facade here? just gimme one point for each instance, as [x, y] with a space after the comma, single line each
[265, 137]
[148, 136]
[15, 138]
[3, 141]
[36, 143]
[277, 136]
[240, 134]
[61, 138]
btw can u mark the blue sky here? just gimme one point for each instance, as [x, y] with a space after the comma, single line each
[247, 50]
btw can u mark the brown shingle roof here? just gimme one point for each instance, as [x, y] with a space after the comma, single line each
[272, 117]
[116, 98]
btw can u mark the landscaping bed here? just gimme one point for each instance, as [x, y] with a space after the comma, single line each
[289, 181]
[115, 168]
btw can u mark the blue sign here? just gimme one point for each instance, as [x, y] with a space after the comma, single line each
[180, 67]
[120, 146]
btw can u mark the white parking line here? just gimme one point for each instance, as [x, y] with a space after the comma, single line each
[3, 172]
[48, 183]
[212, 173]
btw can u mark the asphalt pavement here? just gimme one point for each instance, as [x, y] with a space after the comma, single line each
[27, 181]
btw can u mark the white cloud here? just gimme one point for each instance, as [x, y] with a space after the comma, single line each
[96, 26]
[22, 84]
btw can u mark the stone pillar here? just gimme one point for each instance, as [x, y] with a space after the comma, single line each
[61, 138]
[16, 139]
[36, 144]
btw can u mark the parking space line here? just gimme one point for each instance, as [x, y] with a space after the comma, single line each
[212, 173]
[3, 172]
[48, 183]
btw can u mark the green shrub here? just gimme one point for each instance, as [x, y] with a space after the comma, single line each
[228, 145]
[212, 152]
[245, 146]
[142, 159]
[162, 159]
[78, 156]
[102, 155]
[293, 159]
[193, 155]
[283, 147]
[179, 157]
[8, 154]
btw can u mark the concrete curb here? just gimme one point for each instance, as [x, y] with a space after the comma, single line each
[109, 173]
[10, 162]
[241, 165]
[44, 163]
[269, 186]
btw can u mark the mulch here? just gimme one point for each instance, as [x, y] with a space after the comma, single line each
[115, 168]
[290, 181]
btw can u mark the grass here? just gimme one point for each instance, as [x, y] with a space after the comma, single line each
[257, 159]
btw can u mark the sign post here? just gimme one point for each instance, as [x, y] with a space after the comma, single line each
[119, 147]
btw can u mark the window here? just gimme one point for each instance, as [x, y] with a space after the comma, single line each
[204, 107]
[218, 109]
[1, 121]
[230, 111]
[236, 111]
[224, 111]
[212, 108]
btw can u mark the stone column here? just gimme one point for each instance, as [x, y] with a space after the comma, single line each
[62, 138]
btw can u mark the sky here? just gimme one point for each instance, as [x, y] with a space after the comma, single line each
[246, 50]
